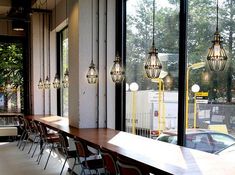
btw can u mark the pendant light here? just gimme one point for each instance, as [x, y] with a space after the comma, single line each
[153, 65]
[47, 84]
[92, 76]
[66, 73]
[217, 57]
[66, 79]
[40, 83]
[117, 71]
[56, 82]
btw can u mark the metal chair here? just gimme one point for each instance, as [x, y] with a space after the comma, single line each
[127, 169]
[86, 159]
[22, 129]
[51, 140]
[37, 136]
[65, 150]
[109, 161]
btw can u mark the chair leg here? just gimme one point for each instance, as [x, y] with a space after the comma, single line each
[64, 165]
[73, 165]
[21, 138]
[35, 149]
[22, 141]
[41, 152]
[52, 147]
[26, 141]
[34, 140]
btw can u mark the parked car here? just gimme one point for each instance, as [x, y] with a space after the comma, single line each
[200, 139]
[227, 153]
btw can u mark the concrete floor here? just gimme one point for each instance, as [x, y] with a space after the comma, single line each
[16, 162]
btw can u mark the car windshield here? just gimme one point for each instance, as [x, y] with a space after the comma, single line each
[168, 138]
[228, 150]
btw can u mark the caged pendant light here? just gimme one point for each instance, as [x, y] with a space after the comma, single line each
[92, 75]
[153, 65]
[217, 57]
[47, 83]
[117, 71]
[56, 82]
[40, 83]
[66, 79]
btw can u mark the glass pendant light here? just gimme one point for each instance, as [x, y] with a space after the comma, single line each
[40, 84]
[56, 82]
[153, 65]
[66, 79]
[92, 75]
[47, 84]
[217, 57]
[117, 71]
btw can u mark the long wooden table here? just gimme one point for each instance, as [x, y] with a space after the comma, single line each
[157, 155]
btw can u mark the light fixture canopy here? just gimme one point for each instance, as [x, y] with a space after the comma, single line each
[153, 65]
[66, 79]
[92, 76]
[117, 71]
[56, 82]
[217, 57]
[47, 84]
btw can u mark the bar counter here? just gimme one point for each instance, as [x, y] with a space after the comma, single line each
[158, 156]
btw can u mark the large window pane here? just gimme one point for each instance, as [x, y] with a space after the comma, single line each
[11, 77]
[212, 107]
[153, 107]
[63, 66]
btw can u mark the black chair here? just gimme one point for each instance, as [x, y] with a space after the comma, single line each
[86, 159]
[51, 140]
[22, 129]
[36, 139]
[64, 147]
[127, 169]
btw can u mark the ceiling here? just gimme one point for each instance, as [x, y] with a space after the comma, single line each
[20, 9]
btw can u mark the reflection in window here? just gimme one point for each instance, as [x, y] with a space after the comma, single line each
[151, 106]
[214, 101]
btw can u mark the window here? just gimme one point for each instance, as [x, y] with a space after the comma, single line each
[210, 95]
[11, 77]
[63, 52]
[213, 104]
[153, 107]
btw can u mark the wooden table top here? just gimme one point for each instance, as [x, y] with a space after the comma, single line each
[157, 155]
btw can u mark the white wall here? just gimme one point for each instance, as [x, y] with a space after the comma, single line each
[83, 97]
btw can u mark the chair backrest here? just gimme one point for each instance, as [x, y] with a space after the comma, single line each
[109, 161]
[63, 143]
[127, 169]
[80, 148]
[35, 127]
[42, 131]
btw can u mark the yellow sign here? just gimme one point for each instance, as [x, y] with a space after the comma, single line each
[202, 94]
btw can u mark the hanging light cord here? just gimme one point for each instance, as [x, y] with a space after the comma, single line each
[92, 31]
[40, 46]
[217, 16]
[153, 20]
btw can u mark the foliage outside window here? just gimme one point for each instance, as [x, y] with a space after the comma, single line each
[63, 66]
[11, 76]
[154, 106]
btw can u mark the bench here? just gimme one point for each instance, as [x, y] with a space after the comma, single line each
[8, 131]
